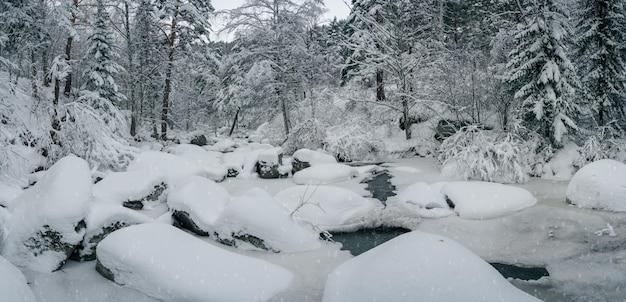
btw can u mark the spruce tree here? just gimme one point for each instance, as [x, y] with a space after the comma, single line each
[542, 74]
[600, 54]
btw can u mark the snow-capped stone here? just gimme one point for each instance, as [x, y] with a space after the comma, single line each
[323, 174]
[328, 208]
[429, 202]
[149, 258]
[599, 185]
[133, 189]
[256, 221]
[209, 160]
[416, 265]
[269, 162]
[305, 158]
[196, 203]
[8, 192]
[48, 221]
[485, 200]
[103, 219]
[13, 284]
[173, 167]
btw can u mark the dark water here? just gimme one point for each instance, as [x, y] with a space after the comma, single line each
[380, 186]
[364, 240]
[518, 272]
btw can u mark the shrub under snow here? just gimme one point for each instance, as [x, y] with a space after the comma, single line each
[600, 185]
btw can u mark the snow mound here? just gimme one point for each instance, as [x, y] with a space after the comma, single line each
[200, 198]
[173, 167]
[599, 185]
[323, 174]
[48, 220]
[485, 200]
[326, 207]
[416, 265]
[8, 192]
[136, 186]
[149, 258]
[256, 219]
[429, 202]
[13, 284]
[103, 219]
[314, 157]
[223, 145]
[209, 160]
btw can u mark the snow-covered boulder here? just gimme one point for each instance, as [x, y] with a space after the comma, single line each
[133, 189]
[256, 221]
[13, 284]
[599, 185]
[102, 220]
[209, 160]
[328, 208]
[323, 174]
[305, 158]
[8, 192]
[196, 203]
[199, 140]
[420, 266]
[427, 201]
[485, 200]
[149, 258]
[48, 221]
[223, 145]
[269, 162]
[173, 167]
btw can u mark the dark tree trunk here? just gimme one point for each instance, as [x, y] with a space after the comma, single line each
[168, 75]
[232, 127]
[68, 55]
[380, 86]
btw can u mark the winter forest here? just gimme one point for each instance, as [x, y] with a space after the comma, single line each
[413, 150]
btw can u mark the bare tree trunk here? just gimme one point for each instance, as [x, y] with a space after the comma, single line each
[33, 74]
[68, 55]
[168, 75]
[380, 86]
[232, 127]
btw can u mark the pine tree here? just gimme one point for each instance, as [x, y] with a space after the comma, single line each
[101, 58]
[601, 55]
[542, 74]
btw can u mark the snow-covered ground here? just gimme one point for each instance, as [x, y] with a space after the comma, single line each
[583, 249]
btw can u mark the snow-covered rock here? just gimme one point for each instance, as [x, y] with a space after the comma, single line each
[133, 189]
[599, 185]
[48, 220]
[256, 221]
[328, 208]
[429, 202]
[420, 266]
[8, 192]
[102, 220]
[223, 145]
[149, 258]
[305, 158]
[209, 160]
[269, 162]
[323, 174]
[485, 200]
[196, 203]
[173, 167]
[13, 284]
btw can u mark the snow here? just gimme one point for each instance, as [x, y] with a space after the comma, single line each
[201, 198]
[57, 203]
[270, 156]
[209, 160]
[173, 167]
[134, 185]
[256, 213]
[599, 185]
[322, 174]
[314, 157]
[224, 145]
[328, 208]
[561, 166]
[416, 265]
[8, 192]
[13, 284]
[149, 258]
[485, 200]
[428, 201]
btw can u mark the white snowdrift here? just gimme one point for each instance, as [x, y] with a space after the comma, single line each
[420, 266]
[8, 192]
[209, 160]
[149, 258]
[13, 284]
[314, 157]
[57, 203]
[173, 167]
[201, 198]
[599, 185]
[427, 201]
[134, 185]
[256, 213]
[485, 200]
[327, 207]
[322, 174]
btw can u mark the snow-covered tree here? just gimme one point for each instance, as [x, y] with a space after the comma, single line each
[601, 54]
[541, 72]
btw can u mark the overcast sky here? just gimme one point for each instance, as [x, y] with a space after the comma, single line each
[336, 8]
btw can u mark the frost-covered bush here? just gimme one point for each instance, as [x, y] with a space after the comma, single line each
[310, 135]
[351, 141]
[483, 155]
[608, 142]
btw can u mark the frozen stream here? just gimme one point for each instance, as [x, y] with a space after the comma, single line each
[551, 234]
